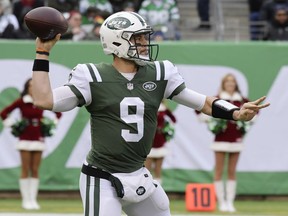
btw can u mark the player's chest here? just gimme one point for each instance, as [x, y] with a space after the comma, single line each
[135, 88]
[109, 94]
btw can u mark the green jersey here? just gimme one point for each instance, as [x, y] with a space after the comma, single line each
[123, 112]
[159, 13]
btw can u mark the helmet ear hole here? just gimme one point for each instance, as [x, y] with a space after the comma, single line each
[116, 44]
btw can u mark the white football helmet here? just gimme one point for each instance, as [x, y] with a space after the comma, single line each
[116, 37]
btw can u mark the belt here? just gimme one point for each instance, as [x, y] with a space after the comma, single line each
[98, 173]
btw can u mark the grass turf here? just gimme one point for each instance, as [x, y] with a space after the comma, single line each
[275, 207]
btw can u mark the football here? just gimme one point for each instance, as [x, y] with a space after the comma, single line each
[46, 22]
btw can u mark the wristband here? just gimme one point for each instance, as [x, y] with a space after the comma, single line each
[41, 65]
[223, 109]
[42, 52]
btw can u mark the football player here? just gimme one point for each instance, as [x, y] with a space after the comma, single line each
[123, 98]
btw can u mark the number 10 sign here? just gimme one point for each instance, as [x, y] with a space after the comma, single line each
[200, 197]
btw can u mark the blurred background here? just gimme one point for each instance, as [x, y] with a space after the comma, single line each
[206, 40]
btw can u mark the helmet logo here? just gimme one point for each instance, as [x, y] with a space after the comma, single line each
[149, 86]
[118, 23]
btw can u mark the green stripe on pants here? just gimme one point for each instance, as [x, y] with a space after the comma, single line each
[97, 197]
[87, 196]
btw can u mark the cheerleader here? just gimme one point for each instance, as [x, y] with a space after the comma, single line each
[228, 141]
[31, 144]
[164, 132]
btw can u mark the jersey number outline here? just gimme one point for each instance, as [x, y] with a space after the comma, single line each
[137, 117]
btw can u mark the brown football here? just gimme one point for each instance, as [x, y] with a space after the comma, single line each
[46, 22]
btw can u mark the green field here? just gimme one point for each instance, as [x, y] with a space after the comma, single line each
[69, 206]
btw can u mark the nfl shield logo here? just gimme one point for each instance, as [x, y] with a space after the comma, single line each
[130, 86]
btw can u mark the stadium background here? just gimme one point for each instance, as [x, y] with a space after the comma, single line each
[260, 68]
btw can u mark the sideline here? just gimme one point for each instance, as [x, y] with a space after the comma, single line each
[55, 214]
[37, 214]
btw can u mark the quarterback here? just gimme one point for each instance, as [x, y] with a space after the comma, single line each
[123, 98]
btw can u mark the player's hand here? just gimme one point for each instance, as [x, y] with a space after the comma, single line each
[46, 45]
[250, 109]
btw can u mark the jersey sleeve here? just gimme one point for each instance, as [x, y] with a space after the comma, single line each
[175, 82]
[191, 99]
[79, 80]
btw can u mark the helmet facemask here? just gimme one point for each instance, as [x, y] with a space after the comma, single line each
[134, 52]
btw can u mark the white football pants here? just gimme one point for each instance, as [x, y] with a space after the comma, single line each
[99, 199]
